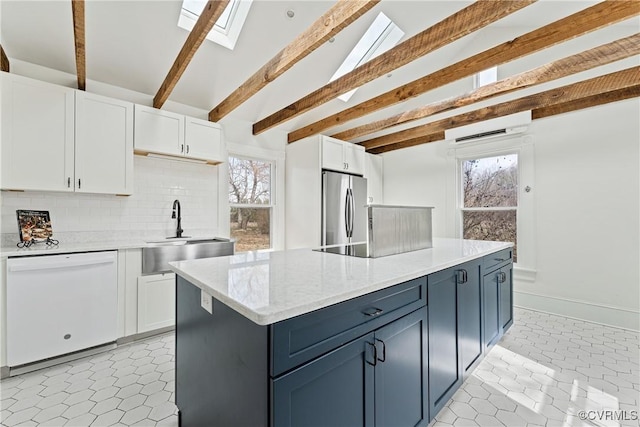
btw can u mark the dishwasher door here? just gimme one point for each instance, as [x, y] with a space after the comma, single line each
[58, 304]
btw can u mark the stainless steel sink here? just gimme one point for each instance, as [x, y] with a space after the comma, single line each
[156, 255]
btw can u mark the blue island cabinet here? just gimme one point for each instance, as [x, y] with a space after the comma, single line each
[455, 344]
[392, 357]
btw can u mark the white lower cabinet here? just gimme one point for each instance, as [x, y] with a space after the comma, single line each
[156, 301]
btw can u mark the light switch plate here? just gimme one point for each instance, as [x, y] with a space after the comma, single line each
[206, 301]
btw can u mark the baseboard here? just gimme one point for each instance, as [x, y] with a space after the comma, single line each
[582, 310]
[6, 371]
[30, 367]
[143, 335]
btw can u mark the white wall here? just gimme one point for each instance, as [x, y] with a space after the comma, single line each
[587, 217]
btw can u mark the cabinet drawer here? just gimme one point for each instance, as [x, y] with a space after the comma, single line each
[497, 258]
[302, 338]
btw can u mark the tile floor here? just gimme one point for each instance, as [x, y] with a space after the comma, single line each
[544, 372]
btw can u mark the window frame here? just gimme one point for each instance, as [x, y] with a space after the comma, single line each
[523, 146]
[276, 158]
[227, 36]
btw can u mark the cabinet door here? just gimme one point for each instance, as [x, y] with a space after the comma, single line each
[104, 145]
[401, 385]
[469, 317]
[332, 154]
[444, 371]
[158, 131]
[333, 390]
[354, 158]
[37, 135]
[374, 174]
[203, 140]
[506, 296]
[156, 301]
[490, 315]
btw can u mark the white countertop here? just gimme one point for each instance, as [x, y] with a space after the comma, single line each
[267, 287]
[71, 247]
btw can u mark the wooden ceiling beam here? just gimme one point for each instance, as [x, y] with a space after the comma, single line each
[580, 23]
[473, 17]
[587, 102]
[342, 14]
[4, 61]
[583, 61]
[609, 82]
[538, 113]
[210, 14]
[77, 8]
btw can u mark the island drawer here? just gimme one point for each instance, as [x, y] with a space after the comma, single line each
[300, 339]
[497, 258]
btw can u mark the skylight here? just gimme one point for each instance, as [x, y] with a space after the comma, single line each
[227, 28]
[382, 35]
[485, 77]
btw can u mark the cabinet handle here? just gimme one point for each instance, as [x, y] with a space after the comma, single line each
[384, 350]
[182, 148]
[68, 182]
[375, 354]
[461, 276]
[79, 184]
[373, 312]
[187, 148]
[502, 277]
[499, 259]
[347, 165]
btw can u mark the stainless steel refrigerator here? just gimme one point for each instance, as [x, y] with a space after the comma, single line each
[344, 215]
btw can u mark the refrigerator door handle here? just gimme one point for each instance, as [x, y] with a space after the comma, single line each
[351, 212]
[346, 213]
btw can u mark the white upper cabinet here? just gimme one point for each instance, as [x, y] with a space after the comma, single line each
[342, 156]
[37, 135]
[163, 132]
[354, 158]
[58, 139]
[159, 131]
[104, 145]
[374, 174]
[203, 140]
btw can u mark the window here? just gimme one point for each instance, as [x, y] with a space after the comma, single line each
[226, 30]
[382, 35]
[492, 183]
[250, 203]
[485, 77]
[490, 198]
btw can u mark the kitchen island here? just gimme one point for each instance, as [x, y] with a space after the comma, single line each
[302, 337]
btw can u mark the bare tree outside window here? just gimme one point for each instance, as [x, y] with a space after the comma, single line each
[490, 199]
[250, 203]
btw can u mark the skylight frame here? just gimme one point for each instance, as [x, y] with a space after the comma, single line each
[382, 35]
[226, 34]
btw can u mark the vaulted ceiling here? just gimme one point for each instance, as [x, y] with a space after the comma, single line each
[133, 44]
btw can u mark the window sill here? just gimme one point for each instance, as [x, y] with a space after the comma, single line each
[524, 274]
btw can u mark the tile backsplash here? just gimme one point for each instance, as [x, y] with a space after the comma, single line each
[78, 217]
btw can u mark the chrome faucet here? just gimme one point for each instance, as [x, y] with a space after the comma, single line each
[176, 205]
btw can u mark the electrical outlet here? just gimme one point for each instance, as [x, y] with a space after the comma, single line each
[206, 301]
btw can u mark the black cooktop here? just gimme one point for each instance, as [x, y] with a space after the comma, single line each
[358, 250]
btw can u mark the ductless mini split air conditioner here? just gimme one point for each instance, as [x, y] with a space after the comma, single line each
[507, 125]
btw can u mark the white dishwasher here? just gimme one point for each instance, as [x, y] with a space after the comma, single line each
[59, 304]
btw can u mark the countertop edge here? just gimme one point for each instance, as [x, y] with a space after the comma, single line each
[284, 314]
